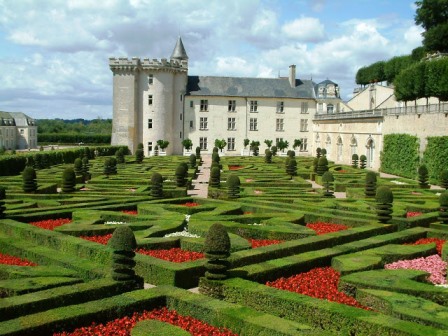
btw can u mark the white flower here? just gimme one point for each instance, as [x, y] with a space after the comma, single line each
[183, 233]
[398, 182]
[443, 286]
[113, 222]
[255, 224]
[187, 218]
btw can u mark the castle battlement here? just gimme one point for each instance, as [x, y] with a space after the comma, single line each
[135, 63]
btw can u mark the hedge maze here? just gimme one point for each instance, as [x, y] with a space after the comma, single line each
[58, 272]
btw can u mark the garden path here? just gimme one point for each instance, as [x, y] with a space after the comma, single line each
[337, 194]
[200, 184]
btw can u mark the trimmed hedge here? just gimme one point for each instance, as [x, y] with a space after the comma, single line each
[400, 155]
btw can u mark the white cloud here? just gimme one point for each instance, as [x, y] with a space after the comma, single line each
[305, 29]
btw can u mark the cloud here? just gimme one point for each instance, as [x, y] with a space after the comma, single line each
[305, 29]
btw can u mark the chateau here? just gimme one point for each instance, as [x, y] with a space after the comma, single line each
[157, 100]
[17, 131]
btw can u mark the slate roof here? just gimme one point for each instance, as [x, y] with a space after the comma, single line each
[20, 119]
[249, 87]
[179, 51]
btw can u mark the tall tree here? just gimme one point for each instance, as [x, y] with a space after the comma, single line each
[432, 15]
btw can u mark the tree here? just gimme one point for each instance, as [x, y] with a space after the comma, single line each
[363, 160]
[423, 175]
[297, 143]
[328, 179]
[355, 159]
[384, 199]
[215, 177]
[282, 144]
[68, 180]
[187, 144]
[217, 250]
[268, 156]
[246, 142]
[268, 143]
[370, 188]
[181, 175]
[163, 144]
[255, 147]
[233, 186]
[432, 15]
[29, 180]
[221, 144]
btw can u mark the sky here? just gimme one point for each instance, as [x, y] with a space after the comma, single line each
[54, 53]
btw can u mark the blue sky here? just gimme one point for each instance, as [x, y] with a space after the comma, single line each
[54, 53]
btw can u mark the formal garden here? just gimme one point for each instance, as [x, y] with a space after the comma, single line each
[99, 242]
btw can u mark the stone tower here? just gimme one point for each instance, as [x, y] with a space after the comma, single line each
[148, 99]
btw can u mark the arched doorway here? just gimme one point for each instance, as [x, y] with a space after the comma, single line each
[370, 152]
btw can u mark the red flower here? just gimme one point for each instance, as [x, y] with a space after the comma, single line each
[321, 283]
[263, 242]
[413, 214]
[98, 239]
[123, 326]
[130, 212]
[247, 213]
[7, 259]
[174, 254]
[190, 204]
[439, 243]
[235, 167]
[50, 224]
[323, 228]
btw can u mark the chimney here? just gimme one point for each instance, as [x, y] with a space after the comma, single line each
[292, 75]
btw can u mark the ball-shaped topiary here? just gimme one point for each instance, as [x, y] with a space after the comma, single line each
[193, 161]
[322, 165]
[139, 155]
[370, 188]
[181, 173]
[217, 250]
[123, 243]
[355, 159]
[292, 167]
[2, 202]
[268, 156]
[291, 153]
[77, 167]
[384, 198]
[443, 211]
[215, 177]
[362, 161]
[29, 180]
[443, 179]
[423, 175]
[233, 186]
[327, 180]
[157, 185]
[323, 151]
[68, 180]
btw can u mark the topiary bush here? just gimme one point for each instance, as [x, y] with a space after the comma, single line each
[355, 159]
[198, 153]
[107, 168]
[215, 157]
[315, 164]
[318, 152]
[215, 177]
[157, 185]
[291, 170]
[123, 243]
[443, 211]
[323, 152]
[2, 202]
[37, 161]
[217, 250]
[233, 186]
[85, 167]
[29, 180]
[384, 199]
[322, 165]
[370, 188]
[274, 150]
[268, 156]
[119, 155]
[193, 161]
[181, 173]
[328, 179]
[77, 167]
[68, 180]
[443, 179]
[362, 161]
[423, 176]
[139, 155]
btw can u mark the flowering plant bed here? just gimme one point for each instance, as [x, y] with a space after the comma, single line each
[130, 212]
[98, 239]
[323, 228]
[174, 254]
[439, 243]
[6, 259]
[190, 204]
[50, 224]
[410, 214]
[123, 326]
[320, 283]
[263, 242]
[235, 167]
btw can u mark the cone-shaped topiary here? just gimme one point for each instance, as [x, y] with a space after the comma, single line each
[384, 199]
[355, 159]
[214, 164]
[443, 211]
[157, 185]
[139, 155]
[443, 179]
[85, 167]
[29, 180]
[119, 154]
[362, 161]
[217, 250]
[2, 202]
[123, 243]
[292, 167]
[322, 165]
[215, 177]
[193, 161]
[268, 156]
[423, 177]
[68, 180]
[77, 167]
[107, 168]
[370, 189]
[181, 173]
[328, 179]
[233, 186]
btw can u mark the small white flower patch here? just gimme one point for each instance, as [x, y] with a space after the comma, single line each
[398, 182]
[443, 286]
[187, 218]
[113, 222]
[183, 233]
[257, 224]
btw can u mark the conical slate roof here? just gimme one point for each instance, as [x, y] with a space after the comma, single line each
[179, 52]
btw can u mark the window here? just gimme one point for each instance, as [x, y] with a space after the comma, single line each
[21, 131]
[280, 107]
[231, 144]
[279, 124]
[180, 116]
[253, 106]
[203, 143]
[181, 97]
[149, 147]
[304, 145]
[149, 99]
[231, 124]
[203, 123]
[253, 124]
[303, 125]
[304, 107]
[204, 105]
[330, 108]
[149, 123]
[232, 105]
[191, 103]
[191, 123]
[180, 135]
[150, 79]
[320, 107]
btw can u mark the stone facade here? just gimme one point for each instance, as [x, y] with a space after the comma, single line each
[17, 131]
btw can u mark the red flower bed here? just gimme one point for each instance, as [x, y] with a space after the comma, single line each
[247, 213]
[7, 259]
[342, 171]
[98, 239]
[439, 243]
[413, 214]
[50, 224]
[263, 242]
[235, 167]
[123, 326]
[190, 204]
[323, 228]
[174, 254]
[130, 212]
[321, 283]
